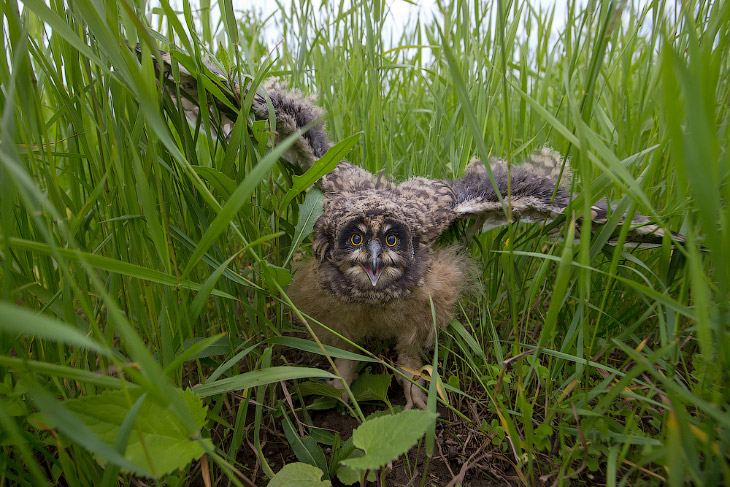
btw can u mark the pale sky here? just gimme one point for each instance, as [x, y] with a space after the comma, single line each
[400, 12]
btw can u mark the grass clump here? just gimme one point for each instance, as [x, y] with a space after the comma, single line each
[136, 252]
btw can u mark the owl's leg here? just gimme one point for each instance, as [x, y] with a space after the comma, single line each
[347, 369]
[408, 359]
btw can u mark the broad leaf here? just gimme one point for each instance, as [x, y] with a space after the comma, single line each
[305, 448]
[311, 388]
[299, 475]
[349, 476]
[386, 438]
[273, 274]
[372, 387]
[164, 445]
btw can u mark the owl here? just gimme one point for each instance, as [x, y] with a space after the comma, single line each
[376, 270]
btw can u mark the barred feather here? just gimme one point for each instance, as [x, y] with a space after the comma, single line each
[292, 110]
[533, 190]
[537, 194]
[536, 191]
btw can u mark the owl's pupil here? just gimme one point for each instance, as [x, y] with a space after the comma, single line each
[356, 239]
[390, 240]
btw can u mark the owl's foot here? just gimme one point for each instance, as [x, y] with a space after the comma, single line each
[414, 395]
[347, 370]
[337, 384]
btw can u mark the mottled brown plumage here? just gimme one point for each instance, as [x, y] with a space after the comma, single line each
[375, 267]
[405, 317]
[370, 289]
[291, 109]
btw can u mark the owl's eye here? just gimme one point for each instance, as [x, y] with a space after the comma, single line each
[356, 239]
[391, 240]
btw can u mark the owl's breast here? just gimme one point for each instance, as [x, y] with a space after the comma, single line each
[321, 291]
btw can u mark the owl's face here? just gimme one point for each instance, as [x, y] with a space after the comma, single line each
[369, 247]
[373, 252]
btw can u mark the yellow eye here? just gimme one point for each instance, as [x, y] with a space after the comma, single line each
[356, 239]
[391, 240]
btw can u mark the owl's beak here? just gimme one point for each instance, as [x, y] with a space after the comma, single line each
[375, 267]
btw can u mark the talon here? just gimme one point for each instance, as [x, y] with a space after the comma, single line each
[421, 403]
[414, 396]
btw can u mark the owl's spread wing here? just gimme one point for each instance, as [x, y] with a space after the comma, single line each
[292, 111]
[536, 191]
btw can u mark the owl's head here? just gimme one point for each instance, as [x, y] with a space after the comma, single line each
[369, 248]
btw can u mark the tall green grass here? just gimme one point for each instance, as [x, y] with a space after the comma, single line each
[125, 260]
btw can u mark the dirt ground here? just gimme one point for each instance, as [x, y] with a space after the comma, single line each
[460, 455]
[463, 455]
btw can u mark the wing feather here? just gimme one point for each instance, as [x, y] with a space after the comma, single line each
[292, 110]
[531, 191]
[538, 192]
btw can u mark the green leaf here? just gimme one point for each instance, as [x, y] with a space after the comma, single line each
[63, 371]
[372, 387]
[61, 28]
[111, 472]
[21, 321]
[113, 265]
[199, 348]
[164, 444]
[260, 378]
[311, 347]
[348, 475]
[237, 199]
[386, 438]
[309, 211]
[549, 117]
[157, 445]
[275, 275]
[202, 297]
[559, 289]
[59, 416]
[468, 339]
[305, 448]
[150, 207]
[299, 475]
[232, 361]
[260, 131]
[311, 388]
[224, 185]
